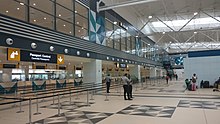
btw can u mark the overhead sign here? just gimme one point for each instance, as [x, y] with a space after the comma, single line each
[122, 65]
[13, 54]
[60, 59]
[30, 56]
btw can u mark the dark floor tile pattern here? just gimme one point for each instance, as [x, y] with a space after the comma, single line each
[199, 104]
[67, 106]
[75, 117]
[147, 110]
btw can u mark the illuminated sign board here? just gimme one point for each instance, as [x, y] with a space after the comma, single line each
[122, 65]
[31, 56]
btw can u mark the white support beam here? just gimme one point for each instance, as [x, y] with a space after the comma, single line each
[125, 3]
[211, 16]
[208, 36]
[187, 23]
[165, 23]
[160, 39]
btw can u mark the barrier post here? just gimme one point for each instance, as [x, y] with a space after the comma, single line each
[70, 97]
[92, 91]
[37, 105]
[30, 122]
[20, 110]
[58, 104]
[53, 98]
[87, 100]
[106, 96]
[77, 93]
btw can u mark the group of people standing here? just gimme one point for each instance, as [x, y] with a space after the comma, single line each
[191, 84]
[127, 85]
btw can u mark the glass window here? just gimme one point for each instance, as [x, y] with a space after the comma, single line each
[81, 21]
[64, 14]
[65, 27]
[123, 44]
[40, 18]
[129, 44]
[44, 5]
[13, 8]
[66, 3]
[117, 44]
[81, 32]
[80, 9]
[133, 45]
[109, 42]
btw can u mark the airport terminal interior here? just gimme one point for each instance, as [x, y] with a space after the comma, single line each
[109, 61]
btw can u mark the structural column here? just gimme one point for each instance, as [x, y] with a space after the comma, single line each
[152, 72]
[136, 71]
[92, 72]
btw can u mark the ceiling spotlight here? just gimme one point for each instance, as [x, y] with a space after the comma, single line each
[77, 22]
[148, 44]
[70, 32]
[195, 13]
[115, 23]
[6, 11]
[170, 42]
[45, 18]
[136, 36]
[64, 25]
[35, 20]
[34, 4]
[78, 30]
[164, 32]
[150, 17]
[195, 32]
[75, 11]
[22, 4]
[82, 27]
[18, 8]
[59, 15]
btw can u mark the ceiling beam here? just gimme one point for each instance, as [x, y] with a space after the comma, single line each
[123, 4]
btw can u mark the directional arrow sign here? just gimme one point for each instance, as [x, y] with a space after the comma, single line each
[60, 59]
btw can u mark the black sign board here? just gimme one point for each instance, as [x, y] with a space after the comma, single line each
[40, 67]
[9, 65]
[122, 65]
[30, 56]
[62, 68]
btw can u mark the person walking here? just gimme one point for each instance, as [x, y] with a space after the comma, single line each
[167, 78]
[130, 86]
[108, 83]
[126, 83]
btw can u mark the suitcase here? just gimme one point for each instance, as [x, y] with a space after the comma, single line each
[206, 84]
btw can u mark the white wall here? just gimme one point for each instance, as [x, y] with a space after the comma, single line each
[206, 68]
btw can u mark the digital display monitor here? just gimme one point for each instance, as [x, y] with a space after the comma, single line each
[122, 65]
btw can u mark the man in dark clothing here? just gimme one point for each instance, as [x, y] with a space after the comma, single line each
[108, 82]
[126, 83]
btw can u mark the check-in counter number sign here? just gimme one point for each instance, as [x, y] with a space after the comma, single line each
[60, 59]
[13, 54]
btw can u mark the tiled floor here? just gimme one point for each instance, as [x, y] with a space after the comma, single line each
[153, 104]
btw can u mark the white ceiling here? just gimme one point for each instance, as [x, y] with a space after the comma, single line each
[201, 33]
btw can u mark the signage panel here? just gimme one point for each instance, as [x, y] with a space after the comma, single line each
[13, 54]
[122, 65]
[60, 59]
[30, 56]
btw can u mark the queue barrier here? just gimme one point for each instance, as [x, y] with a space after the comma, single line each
[8, 88]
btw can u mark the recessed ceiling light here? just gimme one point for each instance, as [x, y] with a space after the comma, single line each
[35, 20]
[75, 11]
[45, 18]
[6, 11]
[64, 25]
[195, 32]
[70, 32]
[136, 36]
[115, 23]
[170, 42]
[77, 22]
[195, 13]
[22, 4]
[148, 44]
[164, 32]
[150, 17]
[78, 30]
[59, 15]
[82, 27]
[34, 4]
[18, 8]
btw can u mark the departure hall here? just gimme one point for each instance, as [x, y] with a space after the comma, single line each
[109, 61]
